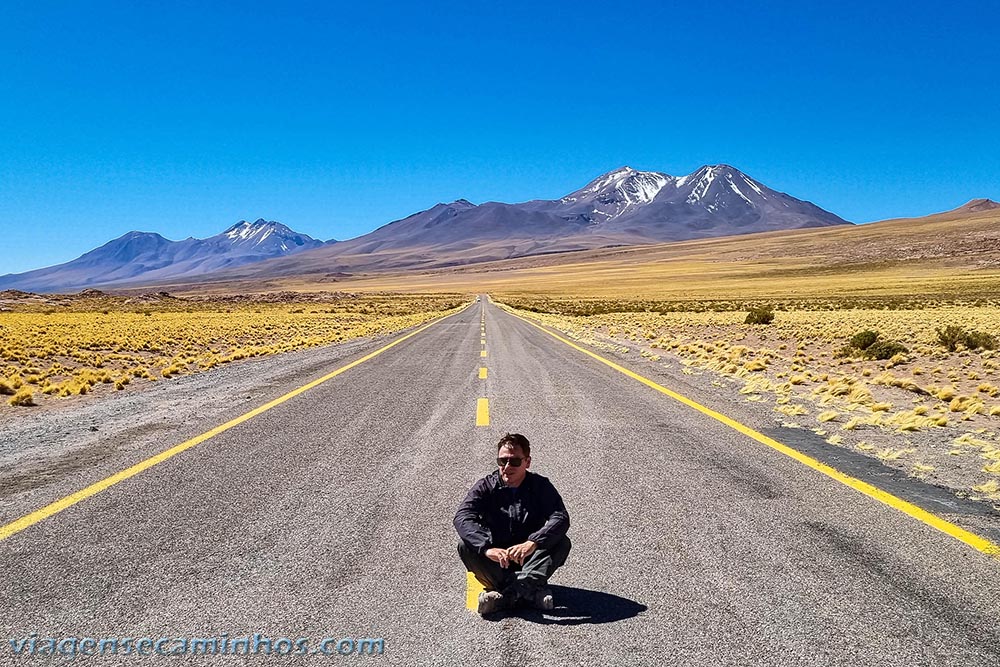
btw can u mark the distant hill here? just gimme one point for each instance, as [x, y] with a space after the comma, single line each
[978, 206]
[147, 256]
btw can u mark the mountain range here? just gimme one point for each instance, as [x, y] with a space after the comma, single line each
[147, 256]
[622, 207]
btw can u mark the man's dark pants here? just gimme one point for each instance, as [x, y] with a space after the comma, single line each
[541, 564]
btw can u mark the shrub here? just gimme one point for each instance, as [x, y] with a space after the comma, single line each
[846, 351]
[884, 349]
[976, 340]
[859, 345]
[760, 315]
[864, 339]
[950, 336]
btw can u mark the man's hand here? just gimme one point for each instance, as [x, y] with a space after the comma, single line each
[520, 552]
[500, 556]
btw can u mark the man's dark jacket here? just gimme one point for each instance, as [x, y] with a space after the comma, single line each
[496, 515]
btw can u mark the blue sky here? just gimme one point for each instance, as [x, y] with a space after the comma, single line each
[334, 119]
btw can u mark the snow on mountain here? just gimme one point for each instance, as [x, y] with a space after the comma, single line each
[712, 183]
[711, 201]
[265, 237]
[612, 194]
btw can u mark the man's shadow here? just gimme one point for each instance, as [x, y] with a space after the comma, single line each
[577, 606]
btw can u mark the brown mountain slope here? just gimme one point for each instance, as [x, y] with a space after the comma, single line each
[978, 206]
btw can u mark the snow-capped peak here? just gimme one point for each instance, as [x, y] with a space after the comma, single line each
[261, 228]
[611, 179]
[617, 191]
[635, 186]
[261, 234]
[728, 178]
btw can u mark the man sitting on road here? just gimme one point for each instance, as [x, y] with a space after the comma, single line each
[513, 526]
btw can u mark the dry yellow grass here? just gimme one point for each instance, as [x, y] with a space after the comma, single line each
[23, 397]
[798, 350]
[73, 349]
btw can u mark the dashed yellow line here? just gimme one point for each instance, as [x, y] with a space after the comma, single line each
[472, 586]
[975, 541]
[483, 412]
[51, 509]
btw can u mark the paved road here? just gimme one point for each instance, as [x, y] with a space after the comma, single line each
[330, 516]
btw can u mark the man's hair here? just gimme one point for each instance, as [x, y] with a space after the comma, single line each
[515, 440]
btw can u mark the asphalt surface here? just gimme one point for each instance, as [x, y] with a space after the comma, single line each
[330, 515]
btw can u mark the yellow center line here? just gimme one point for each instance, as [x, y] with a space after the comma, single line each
[31, 519]
[483, 353]
[472, 590]
[483, 412]
[975, 541]
[482, 373]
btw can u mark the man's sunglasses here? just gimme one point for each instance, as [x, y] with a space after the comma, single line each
[513, 461]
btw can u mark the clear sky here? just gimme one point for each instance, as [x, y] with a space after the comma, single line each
[335, 118]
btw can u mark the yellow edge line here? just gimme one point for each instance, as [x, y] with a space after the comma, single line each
[31, 519]
[973, 540]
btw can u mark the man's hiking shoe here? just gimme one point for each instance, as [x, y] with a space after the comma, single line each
[531, 595]
[490, 602]
[542, 599]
